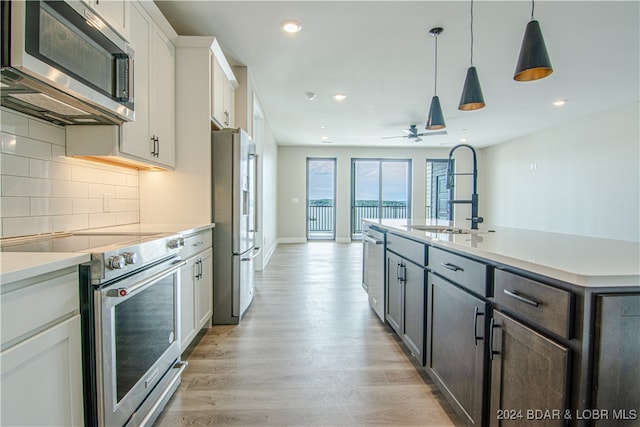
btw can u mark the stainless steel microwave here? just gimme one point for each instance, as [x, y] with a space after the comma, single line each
[62, 63]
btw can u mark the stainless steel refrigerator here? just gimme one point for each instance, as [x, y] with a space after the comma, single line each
[234, 213]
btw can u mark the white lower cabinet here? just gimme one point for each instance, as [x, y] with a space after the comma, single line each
[42, 379]
[41, 358]
[196, 287]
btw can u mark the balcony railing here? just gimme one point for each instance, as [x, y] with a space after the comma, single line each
[321, 218]
[359, 212]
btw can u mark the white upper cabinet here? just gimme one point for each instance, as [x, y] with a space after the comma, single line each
[115, 13]
[151, 136]
[223, 86]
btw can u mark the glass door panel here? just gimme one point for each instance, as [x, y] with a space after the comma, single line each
[321, 199]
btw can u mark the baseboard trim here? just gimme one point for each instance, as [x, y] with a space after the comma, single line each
[268, 254]
[344, 240]
[286, 240]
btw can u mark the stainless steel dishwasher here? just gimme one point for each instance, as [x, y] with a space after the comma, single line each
[373, 243]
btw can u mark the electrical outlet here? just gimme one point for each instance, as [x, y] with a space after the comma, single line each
[106, 202]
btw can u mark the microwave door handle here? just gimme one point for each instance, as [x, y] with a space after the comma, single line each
[131, 82]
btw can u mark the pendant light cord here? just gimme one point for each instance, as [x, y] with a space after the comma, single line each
[435, 85]
[472, 33]
[532, 7]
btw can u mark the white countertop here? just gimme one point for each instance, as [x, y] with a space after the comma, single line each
[583, 261]
[16, 266]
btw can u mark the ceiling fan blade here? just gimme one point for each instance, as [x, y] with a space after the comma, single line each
[407, 131]
[390, 137]
[440, 132]
[417, 139]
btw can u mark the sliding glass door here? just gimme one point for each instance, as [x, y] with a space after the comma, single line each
[381, 188]
[321, 199]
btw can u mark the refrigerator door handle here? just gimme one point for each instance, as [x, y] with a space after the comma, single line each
[254, 220]
[256, 252]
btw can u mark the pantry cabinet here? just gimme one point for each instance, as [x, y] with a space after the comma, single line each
[151, 136]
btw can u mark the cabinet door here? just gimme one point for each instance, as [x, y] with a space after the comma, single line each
[217, 91]
[394, 292]
[229, 104]
[187, 298]
[456, 346]
[136, 137]
[204, 290]
[161, 98]
[528, 372]
[115, 13]
[617, 352]
[42, 379]
[414, 304]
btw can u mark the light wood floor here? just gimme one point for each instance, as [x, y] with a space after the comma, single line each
[309, 352]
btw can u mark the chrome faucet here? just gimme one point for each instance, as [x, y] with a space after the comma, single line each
[475, 219]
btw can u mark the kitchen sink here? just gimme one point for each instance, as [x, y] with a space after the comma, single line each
[440, 229]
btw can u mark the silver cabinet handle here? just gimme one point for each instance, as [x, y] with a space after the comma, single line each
[451, 267]
[514, 295]
[370, 239]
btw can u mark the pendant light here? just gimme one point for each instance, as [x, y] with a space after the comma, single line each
[435, 120]
[533, 63]
[471, 98]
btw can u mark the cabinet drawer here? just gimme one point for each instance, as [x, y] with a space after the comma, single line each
[538, 303]
[196, 243]
[407, 248]
[463, 271]
[27, 309]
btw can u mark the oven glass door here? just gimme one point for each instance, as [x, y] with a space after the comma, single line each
[138, 330]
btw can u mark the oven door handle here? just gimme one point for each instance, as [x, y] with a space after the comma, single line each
[141, 285]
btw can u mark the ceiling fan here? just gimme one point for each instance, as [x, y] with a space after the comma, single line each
[412, 133]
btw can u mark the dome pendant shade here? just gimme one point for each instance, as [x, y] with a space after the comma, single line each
[533, 63]
[435, 120]
[471, 98]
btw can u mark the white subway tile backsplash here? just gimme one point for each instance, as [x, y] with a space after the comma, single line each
[47, 132]
[26, 147]
[126, 192]
[60, 171]
[51, 206]
[70, 222]
[98, 190]
[133, 205]
[114, 178]
[87, 206]
[127, 217]
[13, 123]
[86, 174]
[14, 165]
[102, 220]
[70, 189]
[44, 191]
[24, 226]
[26, 187]
[14, 206]
[39, 168]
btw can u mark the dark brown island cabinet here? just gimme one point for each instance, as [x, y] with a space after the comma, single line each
[406, 296]
[510, 347]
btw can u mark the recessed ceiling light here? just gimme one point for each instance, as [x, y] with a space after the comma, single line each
[464, 139]
[324, 138]
[291, 26]
[322, 127]
[559, 102]
[339, 96]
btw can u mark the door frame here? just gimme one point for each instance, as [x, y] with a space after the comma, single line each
[334, 160]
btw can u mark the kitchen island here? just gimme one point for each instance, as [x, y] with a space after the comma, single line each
[518, 325]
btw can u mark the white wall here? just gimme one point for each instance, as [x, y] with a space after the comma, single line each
[43, 191]
[292, 184]
[578, 178]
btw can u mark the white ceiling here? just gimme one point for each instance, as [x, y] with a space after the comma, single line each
[381, 55]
